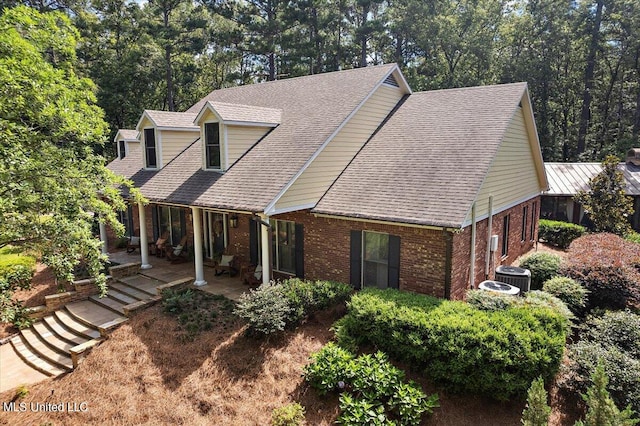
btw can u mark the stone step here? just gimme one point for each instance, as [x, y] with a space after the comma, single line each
[63, 332]
[108, 303]
[51, 339]
[130, 291]
[90, 313]
[142, 283]
[121, 297]
[75, 326]
[34, 360]
[42, 350]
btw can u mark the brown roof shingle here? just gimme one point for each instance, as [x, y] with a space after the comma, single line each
[427, 163]
[128, 134]
[247, 113]
[180, 120]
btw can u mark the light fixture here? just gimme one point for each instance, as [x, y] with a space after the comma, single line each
[233, 221]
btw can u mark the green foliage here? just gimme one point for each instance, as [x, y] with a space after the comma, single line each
[633, 236]
[604, 264]
[16, 272]
[560, 234]
[374, 391]
[288, 415]
[543, 267]
[272, 307]
[490, 300]
[429, 333]
[537, 411]
[21, 392]
[602, 409]
[571, 292]
[606, 203]
[614, 340]
[493, 301]
[546, 300]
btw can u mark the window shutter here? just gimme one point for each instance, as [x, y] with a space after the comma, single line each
[299, 251]
[154, 223]
[356, 259]
[394, 261]
[253, 241]
[130, 227]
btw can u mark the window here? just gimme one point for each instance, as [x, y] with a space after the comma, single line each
[122, 149]
[170, 220]
[532, 225]
[212, 145]
[375, 259]
[525, 215]
[215, 233]
[150, 148]
[505, 235]
[125, 217]
[284, 246]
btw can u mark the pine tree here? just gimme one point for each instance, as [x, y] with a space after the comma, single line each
[536, 413]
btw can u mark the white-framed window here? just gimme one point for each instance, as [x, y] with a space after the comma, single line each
[375, 259]
[212, 146]
[284, 246]
[215, 233]
[122, 149]
[150, 146]
[171, 223]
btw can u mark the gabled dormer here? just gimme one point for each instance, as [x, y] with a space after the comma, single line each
[229, 130]
[163, 135]
[126, 140]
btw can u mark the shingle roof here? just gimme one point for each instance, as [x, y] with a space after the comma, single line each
[313, 107]
[246, 113]
[566, 179]
[128, 134]
[180, 120]
[427, 163]
[129, 165]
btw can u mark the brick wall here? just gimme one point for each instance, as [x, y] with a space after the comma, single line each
[517, 247]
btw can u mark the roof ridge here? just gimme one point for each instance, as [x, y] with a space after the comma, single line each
[471, 88]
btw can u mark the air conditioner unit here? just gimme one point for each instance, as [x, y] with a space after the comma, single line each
[515, 276]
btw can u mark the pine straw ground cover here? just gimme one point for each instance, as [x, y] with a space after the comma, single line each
[146, 373]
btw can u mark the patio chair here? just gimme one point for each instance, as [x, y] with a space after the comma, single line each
[227, 263]
[159, 247]
[253, 277]
[133, 243]
[177, 254]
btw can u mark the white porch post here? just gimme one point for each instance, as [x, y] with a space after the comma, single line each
[196, 212]
[266, 250]
[144, 241]
[103, 237]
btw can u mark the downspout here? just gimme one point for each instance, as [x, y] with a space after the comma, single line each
[489, 230]
[265, 235]
[472, 268]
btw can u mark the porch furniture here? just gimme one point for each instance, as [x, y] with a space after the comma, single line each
[159, 247]
[133, 243]
[253, 276]
[227, 263]
[177, 254]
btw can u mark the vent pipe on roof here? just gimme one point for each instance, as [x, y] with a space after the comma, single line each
[633, 156]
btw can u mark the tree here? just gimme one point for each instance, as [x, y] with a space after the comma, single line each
[605, 202]
[54, 186]
[537, 412]
[602, 410]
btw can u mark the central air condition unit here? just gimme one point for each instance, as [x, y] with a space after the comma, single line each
[515, 276]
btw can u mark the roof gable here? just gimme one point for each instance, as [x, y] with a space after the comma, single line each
[167, 120]
[127, 135]
[241, 114]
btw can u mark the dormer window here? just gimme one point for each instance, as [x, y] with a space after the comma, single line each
[212, 145]
[122, 149]
[150, 148]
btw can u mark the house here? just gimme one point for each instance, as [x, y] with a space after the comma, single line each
[347, 176]
[566, 179]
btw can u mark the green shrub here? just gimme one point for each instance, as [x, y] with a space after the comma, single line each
[265, 308]
[490, 300]
[543, 267]
[493, 301]
[547, 300]
[569, 291]
[374, 391]
[613, 338]
[537, 411]
[633, 236]
[605, 265]
[496, 353]
[559, 234]
[288, 415]
[11, 258]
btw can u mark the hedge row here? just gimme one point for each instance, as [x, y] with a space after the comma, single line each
[558, 233]
[497, 353]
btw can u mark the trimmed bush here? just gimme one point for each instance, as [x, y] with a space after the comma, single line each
[559, 234]
[490, 300]
[613, 338]
[605, 265]
[537, 411]
[288, 415]
[543, 267]
[496, 353]
[569, 291]
[633, 236]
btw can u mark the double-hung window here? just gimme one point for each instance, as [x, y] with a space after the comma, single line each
[284, 246]
[212, 145]
[375, 259]
[150, 148]
[122, 149]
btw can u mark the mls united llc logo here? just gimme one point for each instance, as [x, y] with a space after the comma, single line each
[68, 407]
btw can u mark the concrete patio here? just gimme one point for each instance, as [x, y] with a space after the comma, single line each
[163, 270]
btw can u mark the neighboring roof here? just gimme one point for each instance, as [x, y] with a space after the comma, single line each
[428, 162]
[170, 120]
[566, 179]
[243, 113]
[129, 135]
[313, 108]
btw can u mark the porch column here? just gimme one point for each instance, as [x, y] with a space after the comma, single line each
[144, 241]
[266, 249]
[103, 236]
[196, 212]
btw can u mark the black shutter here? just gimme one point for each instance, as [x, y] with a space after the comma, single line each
[130, 227]
[183, 223]
[299, 251]
[154, 222]
[394, 261]
[356, 259]
[253, 241]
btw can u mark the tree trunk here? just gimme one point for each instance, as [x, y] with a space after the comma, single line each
[585, 114]
[363, 39]
[169, 76]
